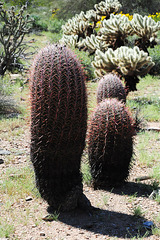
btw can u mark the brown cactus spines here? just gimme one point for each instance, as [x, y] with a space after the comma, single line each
[110, 143]
[58, 125]
[110, 86]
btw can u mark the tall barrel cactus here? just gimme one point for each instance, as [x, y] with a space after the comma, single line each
[110, 143]
[110, 86]
[58, 125]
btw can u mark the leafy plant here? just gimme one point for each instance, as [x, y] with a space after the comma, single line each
[55, 25]
[38, 23]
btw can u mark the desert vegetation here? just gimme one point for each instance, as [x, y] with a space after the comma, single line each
[80, 123]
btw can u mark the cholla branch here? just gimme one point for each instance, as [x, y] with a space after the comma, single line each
[14, 28]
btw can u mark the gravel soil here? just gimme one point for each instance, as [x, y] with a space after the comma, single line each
[113, 216]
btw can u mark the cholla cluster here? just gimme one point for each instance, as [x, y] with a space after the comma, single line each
[83, 24]
[75, 29]
[114, 27]
[107, 7]
[110, 42]
[145, 27]
[92, 43]
[124, 60]
[75, 25]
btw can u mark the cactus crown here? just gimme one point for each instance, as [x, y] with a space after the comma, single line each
[110, 86]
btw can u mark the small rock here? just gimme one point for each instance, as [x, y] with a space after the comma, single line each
[42, 234]
[1, 161]
[29, 198]
[157, 129]
[4, 152]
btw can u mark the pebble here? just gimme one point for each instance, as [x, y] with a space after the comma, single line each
[1, 161]
[42, 234]
[29, 198]
[4, 152]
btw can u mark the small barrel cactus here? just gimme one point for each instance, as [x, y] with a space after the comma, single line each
[110, 143]
[110, 86]
[58, 125]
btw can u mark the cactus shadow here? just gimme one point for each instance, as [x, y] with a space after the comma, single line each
[132, 188]
[104, 222]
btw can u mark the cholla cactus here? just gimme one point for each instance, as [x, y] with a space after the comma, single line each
[92, 43]
[107, 7]
[69, 40]
[128, 62]
[81, 16]
[75, 27]
[115, 30]
[92, 16]
[78, 25]
[14, 26]
[146, 28]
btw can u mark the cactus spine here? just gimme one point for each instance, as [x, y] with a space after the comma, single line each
[110, 143]
[110, 86]
[58, 125]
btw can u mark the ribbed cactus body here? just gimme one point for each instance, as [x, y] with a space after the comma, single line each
[110, 86]
[110, 143]
[58, 124]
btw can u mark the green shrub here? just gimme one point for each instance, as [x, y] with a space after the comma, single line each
[54, 25]
[39, 23]
[86, 62]
[155, 54]
[53, 37]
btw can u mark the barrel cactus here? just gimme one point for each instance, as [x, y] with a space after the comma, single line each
[110, 86]
[110, 143]
[58, 125]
